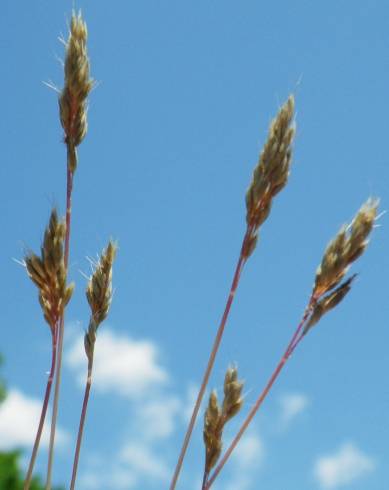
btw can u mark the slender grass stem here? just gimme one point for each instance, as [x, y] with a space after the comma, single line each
[211, 360]
[205, 480]
[82, 423]
[43, 413]
[60, 334]
[290, 348]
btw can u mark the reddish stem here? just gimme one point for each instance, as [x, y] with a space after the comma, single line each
[205, 480]
[82, 423]
[291, 346]
[43, 412]
[211, 360]
[69, 188]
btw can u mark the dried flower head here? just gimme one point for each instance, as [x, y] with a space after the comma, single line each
[345, 248]
[78, 84]
[48, 272]
[212, 432]
[216, 417]
[233, 400]
[271, 173]
[99, 295]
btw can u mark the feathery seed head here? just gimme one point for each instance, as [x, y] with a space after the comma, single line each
[233, 400]
[212, 432]
[271, 173]
[78, 84]
[48, 271]
[345, 248]
[99, 289]
[216, 417]
[99, 295]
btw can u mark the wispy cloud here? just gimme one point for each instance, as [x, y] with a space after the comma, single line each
[122, 365]
[292, 404]
[144, 462]
[158, 417]
[115, 478]
[342, 467]
[136, 464]
[246, 460]
[249, 452]
[189, 402]
[19, 417]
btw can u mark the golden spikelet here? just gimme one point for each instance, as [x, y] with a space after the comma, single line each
[78, 84]
[99, 295]
[271, 173]
[216, 417]
[345, 248]
[233, 400]
[211, 432]
[48, 271]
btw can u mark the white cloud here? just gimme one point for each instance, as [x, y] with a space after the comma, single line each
[246, 460]
[121, 365]
[144, 462]
[115, 479]
[158, 417]
[19, 418]
[342, 467]
[130, 467]
[249, 452]
[292, 405]
[189, 402]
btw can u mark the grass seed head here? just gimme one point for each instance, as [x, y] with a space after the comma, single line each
[271, 173]
[78, 84]
[212, 432]
[99, 294]
[217, 416]
[48, 271]
[233, 400]
[345, 248]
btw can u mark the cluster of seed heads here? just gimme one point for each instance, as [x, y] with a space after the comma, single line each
[271, 173]
[217, 416]
[48, 272]
[78, 84]
[99, 295]
[345, 248]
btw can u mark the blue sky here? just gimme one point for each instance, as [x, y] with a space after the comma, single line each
[185, 93]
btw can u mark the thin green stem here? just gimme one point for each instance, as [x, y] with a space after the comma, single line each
[211, 360]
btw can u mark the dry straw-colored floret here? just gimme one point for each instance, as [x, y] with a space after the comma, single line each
[211, 433]
[99, 295]
[48, 272]
[78, 84]
[271, 173]
[217, 416]
[233, 400]
[345, 248]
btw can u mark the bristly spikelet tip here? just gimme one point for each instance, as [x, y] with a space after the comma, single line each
[271, 173]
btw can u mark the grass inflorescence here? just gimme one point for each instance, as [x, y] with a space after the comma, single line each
[49, 272]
